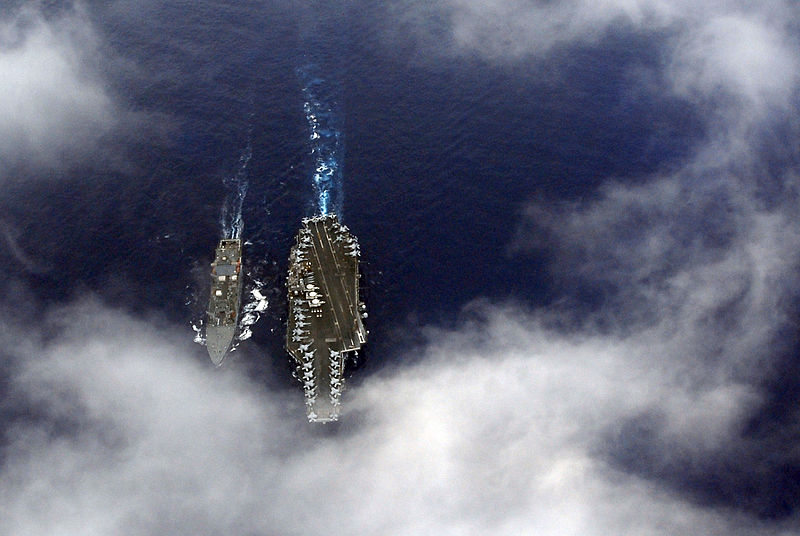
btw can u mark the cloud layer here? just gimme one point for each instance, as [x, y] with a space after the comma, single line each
[517, 28]
[496, 430]
[53, 103]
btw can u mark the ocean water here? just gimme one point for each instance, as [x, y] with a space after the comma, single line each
[435, 161]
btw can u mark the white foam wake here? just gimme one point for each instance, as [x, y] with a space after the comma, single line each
[254, 306]
[231, 219]
[325, 139]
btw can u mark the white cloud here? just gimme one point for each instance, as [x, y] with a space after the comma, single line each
[712, 51]
[53, 104]
[693, 270]
[742, 54]
[496, 430]
[515, 28]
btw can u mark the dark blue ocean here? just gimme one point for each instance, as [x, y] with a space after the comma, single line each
[430, 160]
[437, 161]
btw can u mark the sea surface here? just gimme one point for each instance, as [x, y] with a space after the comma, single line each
[435, 161]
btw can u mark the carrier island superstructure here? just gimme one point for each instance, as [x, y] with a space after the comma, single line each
[223, 305]
[325, 313]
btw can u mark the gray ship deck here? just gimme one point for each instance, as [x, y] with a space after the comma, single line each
[324, 311]
[223, 303]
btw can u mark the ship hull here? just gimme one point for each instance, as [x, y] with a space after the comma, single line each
[218, 342]
[223, 304]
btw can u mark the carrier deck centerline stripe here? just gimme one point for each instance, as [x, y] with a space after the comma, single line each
[223, 305]
[325, 314]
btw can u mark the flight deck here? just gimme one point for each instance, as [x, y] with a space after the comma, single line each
[325, 313]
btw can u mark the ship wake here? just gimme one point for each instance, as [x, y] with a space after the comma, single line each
[326, 140]
[254, 305]
[231, 220]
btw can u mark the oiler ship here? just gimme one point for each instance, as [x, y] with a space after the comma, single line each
[223, 305]
[325, 313]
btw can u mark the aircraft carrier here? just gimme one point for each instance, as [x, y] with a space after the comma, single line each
[223, 305]
[325, 314]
